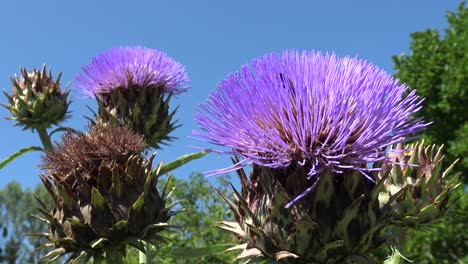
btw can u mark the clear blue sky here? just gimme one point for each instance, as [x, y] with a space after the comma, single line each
[211, 38]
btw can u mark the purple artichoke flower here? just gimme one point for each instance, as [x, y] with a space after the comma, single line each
[132, 67]
[320, 111]
[133, 87]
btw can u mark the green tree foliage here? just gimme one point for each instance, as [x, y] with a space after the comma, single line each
[195, 226]
[16, 206]
[446, 243]
[437, 67]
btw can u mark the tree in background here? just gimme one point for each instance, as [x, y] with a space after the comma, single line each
[447, 243]
[437, 67]
[196, 232]
[16, 207]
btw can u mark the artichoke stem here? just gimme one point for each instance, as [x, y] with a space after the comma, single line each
[403, 243]
[45, 138]
[115, 256]
[142, 258]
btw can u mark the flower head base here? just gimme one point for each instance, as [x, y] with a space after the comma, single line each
[132, 67]
[37, 102]
[133, 87]
[340, 221]
[319, 111]
[105, 195]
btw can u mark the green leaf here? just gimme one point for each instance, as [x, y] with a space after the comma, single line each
[68, 129]
[180, 162]
[191, 252]
[17, 154]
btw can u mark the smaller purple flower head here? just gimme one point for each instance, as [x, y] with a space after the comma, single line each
[132, 67]
[317, 110]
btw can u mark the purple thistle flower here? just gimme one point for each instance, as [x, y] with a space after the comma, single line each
[319, 111]
[132, 67]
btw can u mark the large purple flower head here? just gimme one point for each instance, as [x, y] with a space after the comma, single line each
[320, 111]
[132, 67]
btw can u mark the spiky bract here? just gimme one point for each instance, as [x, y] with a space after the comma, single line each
[345, 217]
[104, 198]
[37, 101]
[340, 221]
[429, 187]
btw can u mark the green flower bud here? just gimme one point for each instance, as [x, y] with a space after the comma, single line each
[428, 187]
[37, 102]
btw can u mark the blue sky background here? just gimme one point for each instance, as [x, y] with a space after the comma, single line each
[211, 38]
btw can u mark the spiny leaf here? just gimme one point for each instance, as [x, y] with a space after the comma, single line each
[17, 154]
[67, 129]
[134, 242]
[181, 161]
[54, 253]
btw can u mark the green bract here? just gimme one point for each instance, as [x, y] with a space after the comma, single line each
[344, 218]
[143, 110]
[428, 186]
[37, 101]
[340, 221]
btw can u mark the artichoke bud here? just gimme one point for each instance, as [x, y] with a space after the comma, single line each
[105, 195]
[144, 110]
[339, 221]
[37, 101]
[428, 187]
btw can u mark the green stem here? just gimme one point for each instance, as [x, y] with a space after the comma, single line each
[45, 138]
[149, 257]
[403, 243]
[142, 257]
[145, 258]
[115, 255]
[17, 154]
